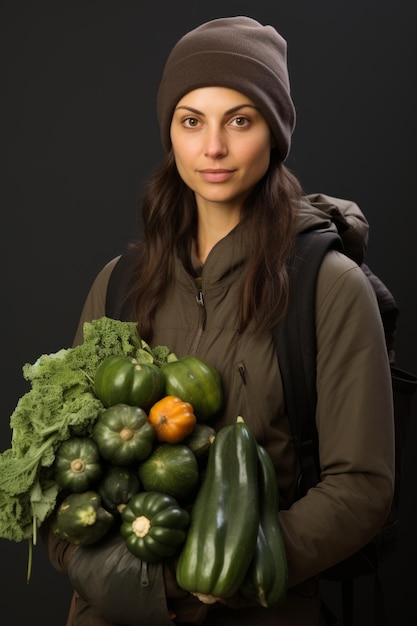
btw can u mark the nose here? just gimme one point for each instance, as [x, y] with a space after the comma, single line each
[215, 145]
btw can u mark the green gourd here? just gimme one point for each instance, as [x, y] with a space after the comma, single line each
[200, 441]
[224, 517]
[123, 434]
[153, 526]
[196, 382]
[172, 469]
[118, 484]
[77, 465]
[81, 519]
[121, 379]
[267, 575]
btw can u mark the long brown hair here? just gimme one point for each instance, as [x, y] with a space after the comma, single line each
[169, 216]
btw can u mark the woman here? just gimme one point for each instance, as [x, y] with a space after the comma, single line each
[210, 278]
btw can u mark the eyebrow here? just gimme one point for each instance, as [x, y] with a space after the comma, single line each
[238, 107]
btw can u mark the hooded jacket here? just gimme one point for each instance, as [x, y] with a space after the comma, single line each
[354, 411]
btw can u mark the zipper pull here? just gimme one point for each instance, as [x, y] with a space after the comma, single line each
[144, 578]
[200, 298]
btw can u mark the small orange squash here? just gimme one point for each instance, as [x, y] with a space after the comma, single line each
[172, 418]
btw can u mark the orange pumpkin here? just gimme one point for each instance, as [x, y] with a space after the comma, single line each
[172, 418]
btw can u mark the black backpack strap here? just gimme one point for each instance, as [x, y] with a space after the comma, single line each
[296, 345]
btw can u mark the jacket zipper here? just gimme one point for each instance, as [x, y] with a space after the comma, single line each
[144, 578]
[200, 298]
[201, 321]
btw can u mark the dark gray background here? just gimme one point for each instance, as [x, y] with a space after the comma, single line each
[78, 133]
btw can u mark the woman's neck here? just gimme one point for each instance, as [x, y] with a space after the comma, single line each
[213, 224]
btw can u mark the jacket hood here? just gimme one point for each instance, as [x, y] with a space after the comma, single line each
[320, 211]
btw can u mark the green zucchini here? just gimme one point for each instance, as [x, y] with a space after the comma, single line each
[267, 575]
[224, 518]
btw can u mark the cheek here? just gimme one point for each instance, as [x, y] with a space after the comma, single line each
[259, 160]
[257, 152]
[183, 164]
[182, 152]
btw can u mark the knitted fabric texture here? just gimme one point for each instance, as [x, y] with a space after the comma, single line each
[235, 52]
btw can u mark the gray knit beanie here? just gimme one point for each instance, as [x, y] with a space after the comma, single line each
[235, 52]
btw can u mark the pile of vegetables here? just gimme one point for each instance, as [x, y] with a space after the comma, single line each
[114, 435]
[136, 467]
[60, 404]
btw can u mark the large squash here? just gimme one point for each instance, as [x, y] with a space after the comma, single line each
[267, 576]
[224, 522]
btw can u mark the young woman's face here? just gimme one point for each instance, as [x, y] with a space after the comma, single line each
[221, 143]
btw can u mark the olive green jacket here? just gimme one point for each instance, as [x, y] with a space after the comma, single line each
[354, 410]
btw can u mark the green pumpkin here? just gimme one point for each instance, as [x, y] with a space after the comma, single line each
[118, 484]
[171, 469]
[77, 465]
[196, 382]
[122, 379]
[81, 519]
[123, 434]
[153, 526]
[200, 440]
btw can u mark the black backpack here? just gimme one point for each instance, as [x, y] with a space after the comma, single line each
[296, 346]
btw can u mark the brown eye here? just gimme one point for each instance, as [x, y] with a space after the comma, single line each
[190, 122]
[240, 121]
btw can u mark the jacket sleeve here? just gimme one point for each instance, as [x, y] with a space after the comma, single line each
[355, 426]
[95, 304]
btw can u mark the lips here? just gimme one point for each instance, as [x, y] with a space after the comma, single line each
[216, 175]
